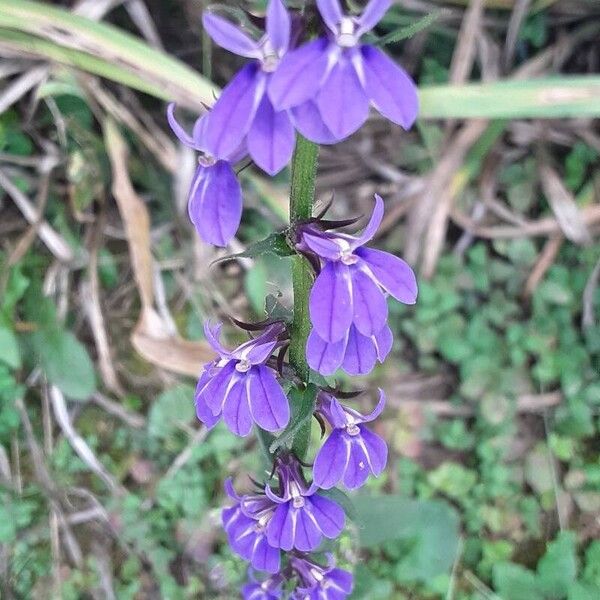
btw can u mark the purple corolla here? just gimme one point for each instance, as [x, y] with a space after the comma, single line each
[244, 109]
[215, 198]
[338, 77]
[303, 516]
[269, 589]
[240, 387]
[317, 582]
[245, 524]
[348, 304]
[351, 452]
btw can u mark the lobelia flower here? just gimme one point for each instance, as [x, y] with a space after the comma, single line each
[348, 307]
[215, 198]
[355, 353]
[302, 517]
[338, 76]
[240, 387]
[351, 451]
[318, 582]
[269, 589]
[244, 109]
[245, 524]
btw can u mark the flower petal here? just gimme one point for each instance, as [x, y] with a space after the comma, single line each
[322, 246]
[331, 11]
[271, 137]
[182, 135]
[280, 530]
[376, 450]
[309, 122]
[340, 580]
[372, 226]
[230, 37]
[331, 461]
[372, 14]
[215, 204]
[324, 357]
[392, 273]
[383, 341]
[256, 354]
[342, 101]
[203, 412]
[328, 514]
[268, 403]
[231, 116]
[278, 26]
[236, 410]
[358, 466]
[377, 410]
[331, 302]
[216, 390]
[390, 89]
[308, 534]
[368, 302]
[212, 335]
[360, 355]
[265, 557]
[299, 74]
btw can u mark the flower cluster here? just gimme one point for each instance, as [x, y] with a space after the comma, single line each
[348, 306]
[322, 89]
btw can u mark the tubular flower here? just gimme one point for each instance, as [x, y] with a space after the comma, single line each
[240, 387]
[302, 517]
[245, 524]
[355, 353]
[244, 109]
[348, 307]
[320, 583]
[215, 198]
[338, 76]
[351, 451]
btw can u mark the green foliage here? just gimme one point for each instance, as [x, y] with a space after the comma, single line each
[171, 411]
[425, 532]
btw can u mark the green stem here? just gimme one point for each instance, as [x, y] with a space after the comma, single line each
[302, 196]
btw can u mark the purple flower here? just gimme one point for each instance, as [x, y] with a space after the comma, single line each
[351, 451]
[215, 199]
[318, 582]
[302, 517]
[244, 109]
[341, 77]
[355, 353]
[269, 589]
[240, 387]
[349, 291]
[245, 524]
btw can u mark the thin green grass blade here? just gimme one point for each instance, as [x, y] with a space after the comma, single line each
[548, 98]
[104, 43]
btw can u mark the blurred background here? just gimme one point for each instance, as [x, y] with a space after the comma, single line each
[109, 487]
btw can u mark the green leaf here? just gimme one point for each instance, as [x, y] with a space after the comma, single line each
[302, 403]
[65, 361]
[516, 582]
[255, 284]
[9, 348]
[557, 569]
[171, 411]
[275, 244]
[411, 30]
[431, 528]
